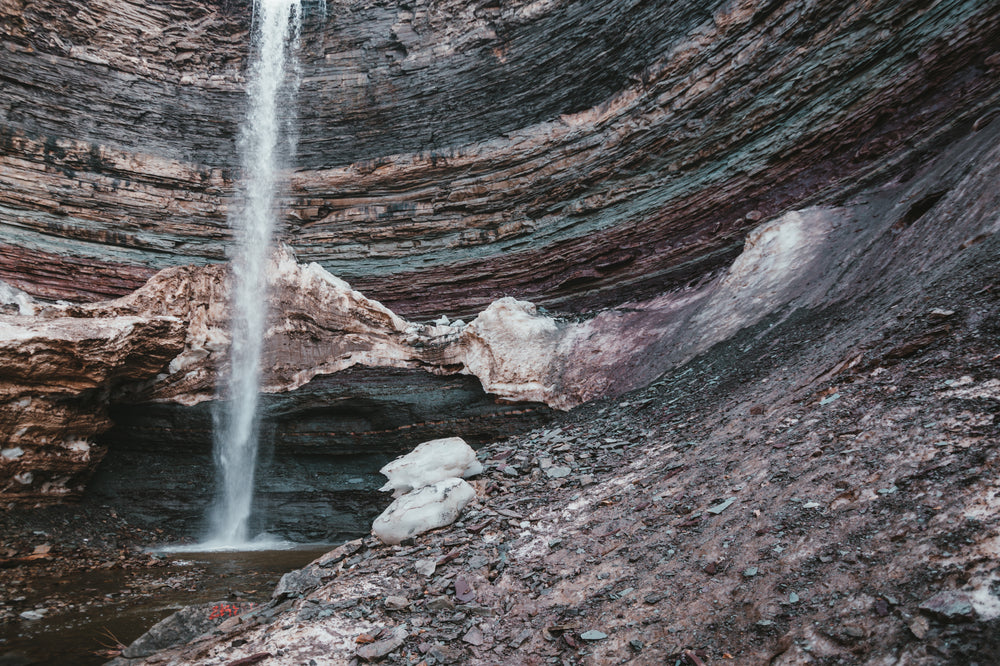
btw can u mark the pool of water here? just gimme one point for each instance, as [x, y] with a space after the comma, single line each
[91, 611]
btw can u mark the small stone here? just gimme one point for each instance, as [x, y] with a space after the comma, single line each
[396, 603]
[519, 640]
[711, 568]
[440, 604]
[719, 508]
[474, 637]
[478, 561]
[380, 648]
[750, 572]
[586, 480]
[830, 398]
[950, 606]
[811, 505]
[36, 614]
[887, 491]
[444, 655]
[593, 635]
[636, 644]
[558, 472]
[463, 590]
[425, 567]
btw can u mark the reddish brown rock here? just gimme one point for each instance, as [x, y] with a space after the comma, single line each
[57, 373]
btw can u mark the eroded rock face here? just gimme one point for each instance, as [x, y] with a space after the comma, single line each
[573, 154]
[56, 373]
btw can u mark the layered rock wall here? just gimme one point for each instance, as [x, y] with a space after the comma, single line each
[56, 374]
[576, 154]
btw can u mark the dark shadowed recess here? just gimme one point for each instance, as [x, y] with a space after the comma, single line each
[322, 447]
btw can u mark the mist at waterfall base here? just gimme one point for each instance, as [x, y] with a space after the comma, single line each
[266, 140]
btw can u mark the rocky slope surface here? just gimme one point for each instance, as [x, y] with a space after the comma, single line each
[818, 488]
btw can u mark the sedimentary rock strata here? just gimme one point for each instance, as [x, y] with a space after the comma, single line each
[573, 154]
[55, 377]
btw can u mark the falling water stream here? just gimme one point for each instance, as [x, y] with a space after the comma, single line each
[265, 140]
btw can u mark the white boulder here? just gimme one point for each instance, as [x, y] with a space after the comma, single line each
[423, 510]
[429, 463]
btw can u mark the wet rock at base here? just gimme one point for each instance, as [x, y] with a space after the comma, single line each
[180, 627]
[298, 582]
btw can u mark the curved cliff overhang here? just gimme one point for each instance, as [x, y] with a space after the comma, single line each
[576, 154]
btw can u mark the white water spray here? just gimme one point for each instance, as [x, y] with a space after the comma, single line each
[271, 85]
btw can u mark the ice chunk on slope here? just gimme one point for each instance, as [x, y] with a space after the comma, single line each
[429, 463]
[423, 510]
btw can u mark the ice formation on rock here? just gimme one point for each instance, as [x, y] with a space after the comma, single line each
[423, 510]
[430, 462]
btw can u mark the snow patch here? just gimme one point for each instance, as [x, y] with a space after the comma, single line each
[512, 348]
[430, 462]
[777, 255]
[423, 510]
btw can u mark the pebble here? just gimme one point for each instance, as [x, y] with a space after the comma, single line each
[750, 572]
[719, 508]
[37, 614]
[425, 567]
[518, 640]
[558, 472]
[919, 626]
[440, 603]
[379, 649]
[396, 603]
[463, 590]
[474, 637]
[593, 635]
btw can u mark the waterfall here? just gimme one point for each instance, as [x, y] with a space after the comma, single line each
[265, 139]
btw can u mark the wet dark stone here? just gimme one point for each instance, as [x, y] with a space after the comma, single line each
[181, 627]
